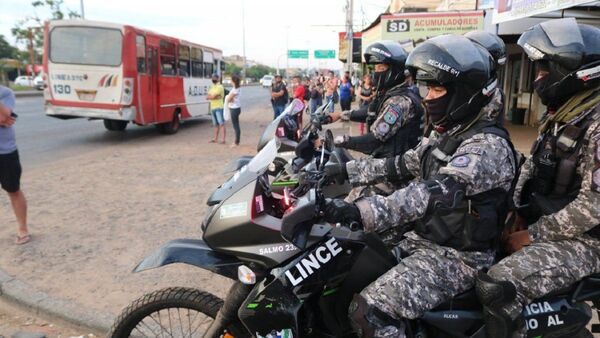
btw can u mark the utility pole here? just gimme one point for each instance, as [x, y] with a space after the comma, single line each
[82, 12]
[244, 42]
[349, 34]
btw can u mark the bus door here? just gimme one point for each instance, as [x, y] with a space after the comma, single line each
[146, 67]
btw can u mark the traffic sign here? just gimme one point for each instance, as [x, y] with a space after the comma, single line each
[325, 54]
[298, 54]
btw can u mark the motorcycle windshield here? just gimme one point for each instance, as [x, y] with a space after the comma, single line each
[247, 174]
[292, 109]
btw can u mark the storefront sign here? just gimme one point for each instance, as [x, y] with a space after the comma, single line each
[418, 27]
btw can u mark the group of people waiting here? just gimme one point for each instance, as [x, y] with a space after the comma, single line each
[448, 177]
[320, 89]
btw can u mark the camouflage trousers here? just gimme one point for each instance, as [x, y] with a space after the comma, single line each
[428, 277]
[383, 189]
[541, 268]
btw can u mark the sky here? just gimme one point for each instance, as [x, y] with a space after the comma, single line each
[270, 25]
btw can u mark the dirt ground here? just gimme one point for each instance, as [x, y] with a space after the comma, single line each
[14, 319]
[95, 216]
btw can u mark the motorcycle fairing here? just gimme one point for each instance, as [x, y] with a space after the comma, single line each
[328, 287]
[193, 252]
[237, 164]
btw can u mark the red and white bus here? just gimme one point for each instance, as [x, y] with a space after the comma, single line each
[121, 74]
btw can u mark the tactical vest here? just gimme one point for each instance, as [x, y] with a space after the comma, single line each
[409, 135]
[477, 221]
[556, 155]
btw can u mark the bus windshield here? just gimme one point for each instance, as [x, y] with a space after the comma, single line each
[86, 46]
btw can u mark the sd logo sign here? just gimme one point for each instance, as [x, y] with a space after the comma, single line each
[395, 26]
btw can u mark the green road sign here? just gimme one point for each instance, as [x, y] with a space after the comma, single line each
[325, 54]
[298, 54]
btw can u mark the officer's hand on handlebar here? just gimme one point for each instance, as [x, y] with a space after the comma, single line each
[341, 141]
[340, 211]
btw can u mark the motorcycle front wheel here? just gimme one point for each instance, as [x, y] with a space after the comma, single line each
[170, 312]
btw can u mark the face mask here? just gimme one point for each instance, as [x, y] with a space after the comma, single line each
[436, 108]
[540, 85]
[379, 79]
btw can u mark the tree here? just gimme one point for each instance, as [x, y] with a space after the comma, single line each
[6, 50]
[33, 24]
[258, 71]
[231, 69]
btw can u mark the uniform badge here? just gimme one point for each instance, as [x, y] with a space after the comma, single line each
[461, 161]
[383, 128]
[596, 180]
[390, 116]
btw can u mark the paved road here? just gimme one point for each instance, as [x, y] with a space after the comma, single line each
[42, 139]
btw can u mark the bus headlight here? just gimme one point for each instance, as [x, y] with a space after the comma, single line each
[127, 93]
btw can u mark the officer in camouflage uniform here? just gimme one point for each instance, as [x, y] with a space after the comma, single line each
[559, 185]
[497, 49]
[398, 113]
[394, 118]
[460, 176]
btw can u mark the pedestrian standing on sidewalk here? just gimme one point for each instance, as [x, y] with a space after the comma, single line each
[216, 94]
[366, 95]
[235, 108]
[346, 93]
[10, 166]
[279, 96]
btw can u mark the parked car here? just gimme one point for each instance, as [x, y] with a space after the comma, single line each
[38, 82]
[266, 81]
[25, 81]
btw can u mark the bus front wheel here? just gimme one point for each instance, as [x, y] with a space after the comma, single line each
[115, 125]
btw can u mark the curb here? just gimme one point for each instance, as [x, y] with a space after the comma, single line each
[23, 294]
[29, 93]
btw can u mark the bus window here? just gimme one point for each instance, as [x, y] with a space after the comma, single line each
[197, 69]
[184, 61]
[94, 46]
[208, 69]
[140, 50]
[167, 58]
[208, 64]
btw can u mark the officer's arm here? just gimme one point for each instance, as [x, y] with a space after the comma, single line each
[524, 176]
[479, 165]
[395, 113]
[398, 169]
[366, 143]
[583, 213]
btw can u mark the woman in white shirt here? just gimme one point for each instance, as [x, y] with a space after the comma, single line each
[235, 110]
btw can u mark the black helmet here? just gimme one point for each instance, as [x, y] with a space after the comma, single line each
[569, 52]
[464, 68]
[492, 43]
[392, 54]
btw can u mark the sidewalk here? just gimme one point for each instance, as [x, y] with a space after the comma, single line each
[29, 93]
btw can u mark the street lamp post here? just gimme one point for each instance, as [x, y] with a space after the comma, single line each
[279, 58]
[82, 12]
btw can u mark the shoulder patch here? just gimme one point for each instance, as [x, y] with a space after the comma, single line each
[461, 161]
[391, 116]
[383, 128]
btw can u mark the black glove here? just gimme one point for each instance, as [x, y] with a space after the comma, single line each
[337, 171]
[324, 119]
[341, 141]
[340, 211]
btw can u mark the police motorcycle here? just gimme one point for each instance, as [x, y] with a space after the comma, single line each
[295, 275]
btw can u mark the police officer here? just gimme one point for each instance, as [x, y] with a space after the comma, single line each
[560, 182]
[497, 49]
[460, 177]
[397, 110]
